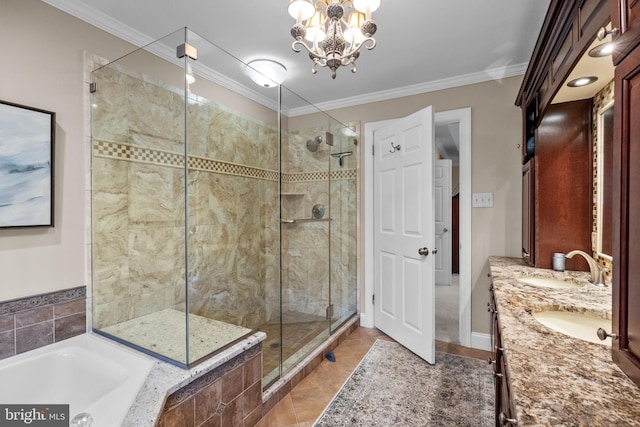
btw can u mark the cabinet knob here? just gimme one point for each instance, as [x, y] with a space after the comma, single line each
[603, 335]
[504, 420]
[603, 32]
[491, 362]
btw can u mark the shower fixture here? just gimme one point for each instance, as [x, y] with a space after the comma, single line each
[312, 144]
[341, 155]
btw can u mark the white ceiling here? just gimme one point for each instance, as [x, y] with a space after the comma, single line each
[421, 45]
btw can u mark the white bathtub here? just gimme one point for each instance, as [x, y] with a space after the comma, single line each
[87, 372]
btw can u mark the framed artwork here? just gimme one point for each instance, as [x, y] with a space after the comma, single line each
[26, 166]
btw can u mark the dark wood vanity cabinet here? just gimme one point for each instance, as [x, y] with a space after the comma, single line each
[504, 410]
[563, 183]
[557, 145]
[557, 187]
[626, 184]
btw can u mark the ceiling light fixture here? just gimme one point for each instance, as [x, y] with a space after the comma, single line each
[333, 31]
[601, 50]
[265, 72]
[582, 81]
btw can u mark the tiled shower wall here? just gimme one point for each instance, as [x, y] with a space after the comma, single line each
[139, 211]
[35, 321]
[233, 224]
[313, 252]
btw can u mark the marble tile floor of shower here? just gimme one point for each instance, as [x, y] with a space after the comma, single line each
[306, 401]
[164, 332]
[298, 331]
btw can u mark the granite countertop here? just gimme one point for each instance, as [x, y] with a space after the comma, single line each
[557, 380]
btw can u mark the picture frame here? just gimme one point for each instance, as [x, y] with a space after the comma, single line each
[27, 140]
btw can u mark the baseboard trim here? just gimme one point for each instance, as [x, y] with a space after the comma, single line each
[481, 341]
[366, 321]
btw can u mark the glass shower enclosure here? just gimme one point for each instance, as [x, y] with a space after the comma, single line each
[215, 211]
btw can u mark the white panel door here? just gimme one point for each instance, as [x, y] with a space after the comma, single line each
[443, 221]
[404, 232]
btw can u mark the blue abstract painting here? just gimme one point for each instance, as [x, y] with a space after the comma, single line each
[26, 166]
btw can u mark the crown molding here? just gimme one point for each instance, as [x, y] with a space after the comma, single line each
[384, 95]
[124, 32]
[138, 39]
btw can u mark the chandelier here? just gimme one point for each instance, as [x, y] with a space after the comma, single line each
[333, 31]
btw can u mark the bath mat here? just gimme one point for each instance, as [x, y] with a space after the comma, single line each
[393, 387]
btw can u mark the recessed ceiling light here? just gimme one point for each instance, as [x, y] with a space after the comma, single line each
[582, 81]
[265, 72]
[601, 50]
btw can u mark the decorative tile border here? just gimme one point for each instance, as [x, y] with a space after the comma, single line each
[136, 153]
[29, 303]
[602, 98]
[227, 168]
[129, 152]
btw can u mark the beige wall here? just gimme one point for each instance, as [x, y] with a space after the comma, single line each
[42, 66]
[496, 167]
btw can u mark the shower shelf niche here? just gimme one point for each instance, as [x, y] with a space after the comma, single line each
[298, 220]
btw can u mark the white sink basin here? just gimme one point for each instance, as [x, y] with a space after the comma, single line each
[576, 325]
[548, 282]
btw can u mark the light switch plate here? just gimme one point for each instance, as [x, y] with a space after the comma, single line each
[482, 200]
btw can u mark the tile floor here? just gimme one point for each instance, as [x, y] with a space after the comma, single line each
[304, 404]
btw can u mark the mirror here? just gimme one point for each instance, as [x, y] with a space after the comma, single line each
[603, 176]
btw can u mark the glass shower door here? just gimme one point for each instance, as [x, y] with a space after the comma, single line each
[343, 234]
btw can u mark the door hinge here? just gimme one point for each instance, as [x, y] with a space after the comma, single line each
[373, 150]
[92, 87]
[330, 312]
[373, 299]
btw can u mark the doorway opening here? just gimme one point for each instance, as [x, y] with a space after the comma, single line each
[459, 120]
[447, 195]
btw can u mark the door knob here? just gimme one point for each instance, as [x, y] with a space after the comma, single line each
[423, 251]
[603, 335]
[434, 251]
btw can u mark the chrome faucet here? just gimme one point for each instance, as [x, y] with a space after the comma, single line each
[596, 272]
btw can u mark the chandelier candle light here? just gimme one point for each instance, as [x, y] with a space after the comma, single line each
[333, 31]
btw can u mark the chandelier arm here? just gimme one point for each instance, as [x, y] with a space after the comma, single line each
[297, 43]
[368, 39]
[357, 49]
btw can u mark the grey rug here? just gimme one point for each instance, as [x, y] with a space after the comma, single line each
[394, 387]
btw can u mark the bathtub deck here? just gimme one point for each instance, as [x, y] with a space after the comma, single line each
[164, 332]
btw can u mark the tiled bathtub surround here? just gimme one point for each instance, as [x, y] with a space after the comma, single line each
[222, 390]
[35, 321]
[231, 395]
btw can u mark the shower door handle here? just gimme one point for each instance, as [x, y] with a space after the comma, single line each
[423, 251]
